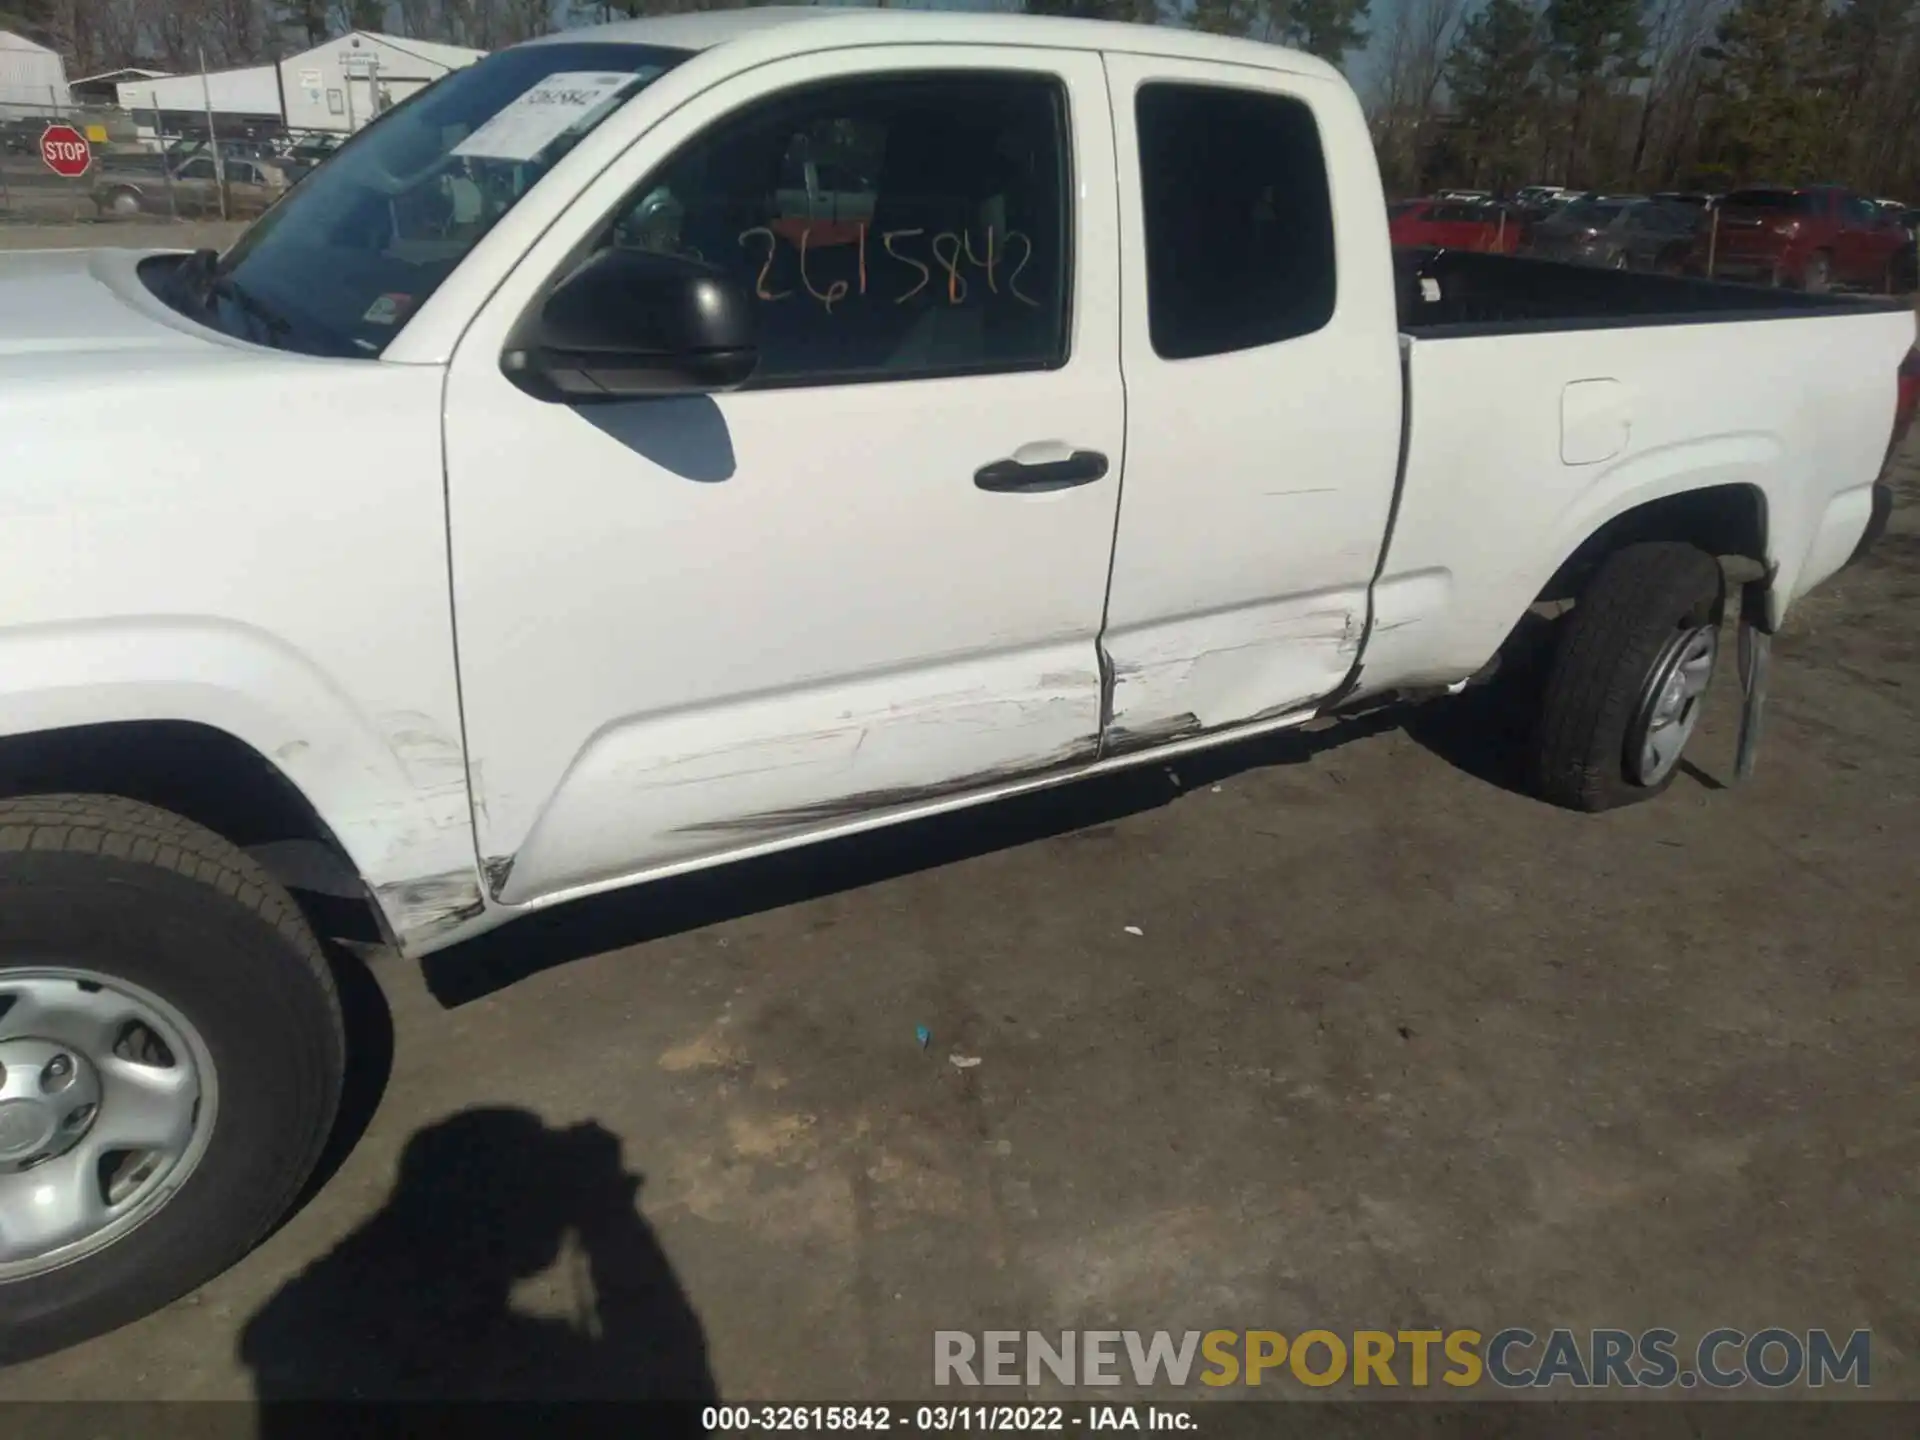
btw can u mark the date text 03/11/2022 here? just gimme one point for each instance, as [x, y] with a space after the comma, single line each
[943, 1419]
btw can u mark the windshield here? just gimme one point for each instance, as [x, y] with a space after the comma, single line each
[338, 266]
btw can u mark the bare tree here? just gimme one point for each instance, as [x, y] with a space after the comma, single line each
[1676, 31]
[422, 19]
[1405, 101]
[94, 35]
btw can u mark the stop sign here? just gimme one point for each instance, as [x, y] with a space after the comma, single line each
[66, 151]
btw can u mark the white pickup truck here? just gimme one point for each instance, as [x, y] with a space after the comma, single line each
[667, 443]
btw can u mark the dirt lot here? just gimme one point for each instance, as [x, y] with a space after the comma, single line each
[131, 234]
[1393, 1047]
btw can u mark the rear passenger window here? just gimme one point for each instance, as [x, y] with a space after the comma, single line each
[1239, 222]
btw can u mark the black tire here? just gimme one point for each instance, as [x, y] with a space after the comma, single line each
[1817, 278]
[129, 891]
[1603, 660]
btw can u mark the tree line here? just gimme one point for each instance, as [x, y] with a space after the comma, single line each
[1651, 94]
[1609, 94]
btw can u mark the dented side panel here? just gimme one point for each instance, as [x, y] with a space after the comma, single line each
[677, 787]
[716, 621]
[236, 581]
[1220, 670]
[1259, 481]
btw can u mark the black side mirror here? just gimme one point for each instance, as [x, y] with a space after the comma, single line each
[634, 323]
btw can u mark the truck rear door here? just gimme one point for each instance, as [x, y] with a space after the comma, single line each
[1259, 345]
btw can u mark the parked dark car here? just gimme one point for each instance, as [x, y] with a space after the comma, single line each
[300, 158]
[1575, 232]
[180, 152]
[1542, 197]
[1694, 199]
[1652, 235]
[21, 137]
[1813, 237]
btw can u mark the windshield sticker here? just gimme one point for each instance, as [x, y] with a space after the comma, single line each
[542, 115]
[386, 309]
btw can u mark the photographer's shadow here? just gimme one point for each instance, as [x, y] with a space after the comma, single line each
[417, 1304]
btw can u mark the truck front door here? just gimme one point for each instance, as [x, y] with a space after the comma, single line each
[871, 579]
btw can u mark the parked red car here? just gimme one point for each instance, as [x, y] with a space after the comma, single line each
[1454, 225]
[1813, 237]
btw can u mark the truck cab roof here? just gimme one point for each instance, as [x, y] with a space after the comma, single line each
[838, 26]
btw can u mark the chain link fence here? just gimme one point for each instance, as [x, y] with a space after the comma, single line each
[152, 167]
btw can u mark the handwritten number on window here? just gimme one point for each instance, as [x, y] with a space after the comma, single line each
[773, 248]
[949, 260]
[836, 289]
[1013, 280]
[948, 249]
[926, 275]
[987, 264]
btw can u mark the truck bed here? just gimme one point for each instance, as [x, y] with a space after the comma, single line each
[1542, 399]
[1442, 293]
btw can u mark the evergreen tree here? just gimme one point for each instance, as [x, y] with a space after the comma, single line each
[1773, 88]
[1327, 28]
[1493, 72]
[1593, 46]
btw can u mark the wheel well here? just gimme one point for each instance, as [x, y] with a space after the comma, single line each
[192, 770]
[1723, 520]
[1720, 519]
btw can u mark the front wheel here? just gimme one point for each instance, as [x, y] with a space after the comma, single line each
[1628, 677]
[1817, 278]
[171, 1051]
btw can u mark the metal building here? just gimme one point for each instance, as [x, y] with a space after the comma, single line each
[33, 79]
[244, 102]
[342, 84]
[336, 86]
[104, 88]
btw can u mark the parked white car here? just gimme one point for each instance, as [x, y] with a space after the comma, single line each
[511, 551]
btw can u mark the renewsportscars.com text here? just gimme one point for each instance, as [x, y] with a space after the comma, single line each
[1511, 1359]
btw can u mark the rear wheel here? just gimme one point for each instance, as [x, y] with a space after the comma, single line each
[171, 1055]
[1628, 678]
